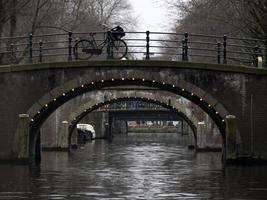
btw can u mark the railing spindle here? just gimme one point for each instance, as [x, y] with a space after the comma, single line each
[183, 50]
[109, 56]
[75, 47]
[40, 51]
[147, 45]
[12, 55]
[70, 46]
[186, 47]
[224, 49]
[256, 56]
[30, 47]
[265, 44]
[219, 53]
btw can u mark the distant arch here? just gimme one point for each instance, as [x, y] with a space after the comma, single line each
[85, 109]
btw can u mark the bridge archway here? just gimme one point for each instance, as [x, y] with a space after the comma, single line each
[106, 78]
[85, 109]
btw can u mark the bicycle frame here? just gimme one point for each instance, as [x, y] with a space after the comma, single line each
[108, 39]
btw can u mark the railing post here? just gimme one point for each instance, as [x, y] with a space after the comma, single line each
[147, 45]
[219, 53]
[183, 50]
[265, 44]
[70, 46]
[12, 53]
[224, 49]
[75, 52]
[186, 46]
[256, 55]
[109, 46]
[40, 51]
[30, 47]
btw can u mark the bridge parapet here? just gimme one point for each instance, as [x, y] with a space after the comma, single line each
[141, 46]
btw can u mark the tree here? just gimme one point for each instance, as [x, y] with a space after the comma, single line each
[21, 17]
[243, 19]
[255, 17]
[8, 21]
[238, 18]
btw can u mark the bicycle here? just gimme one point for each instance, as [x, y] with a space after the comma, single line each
[116, 47]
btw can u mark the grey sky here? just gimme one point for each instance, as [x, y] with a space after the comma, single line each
[153, 15]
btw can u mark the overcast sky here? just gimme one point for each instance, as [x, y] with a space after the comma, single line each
[153, 15]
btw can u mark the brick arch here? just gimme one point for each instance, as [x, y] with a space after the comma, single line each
[83, 110]
[41, 109]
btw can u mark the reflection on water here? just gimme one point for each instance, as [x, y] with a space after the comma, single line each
[132, 168]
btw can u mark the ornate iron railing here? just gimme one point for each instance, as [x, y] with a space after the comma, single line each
[141, 45]
[132, 105]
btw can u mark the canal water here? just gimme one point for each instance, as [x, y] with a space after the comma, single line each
[133, 167]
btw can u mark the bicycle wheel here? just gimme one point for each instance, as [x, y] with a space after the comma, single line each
[83, 49]
[119, 49]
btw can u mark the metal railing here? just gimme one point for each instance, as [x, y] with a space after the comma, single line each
[141, 46]
[131, 105]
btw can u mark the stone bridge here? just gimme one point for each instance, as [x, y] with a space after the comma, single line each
[220, 90]
[175, 108]
[54, 133]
